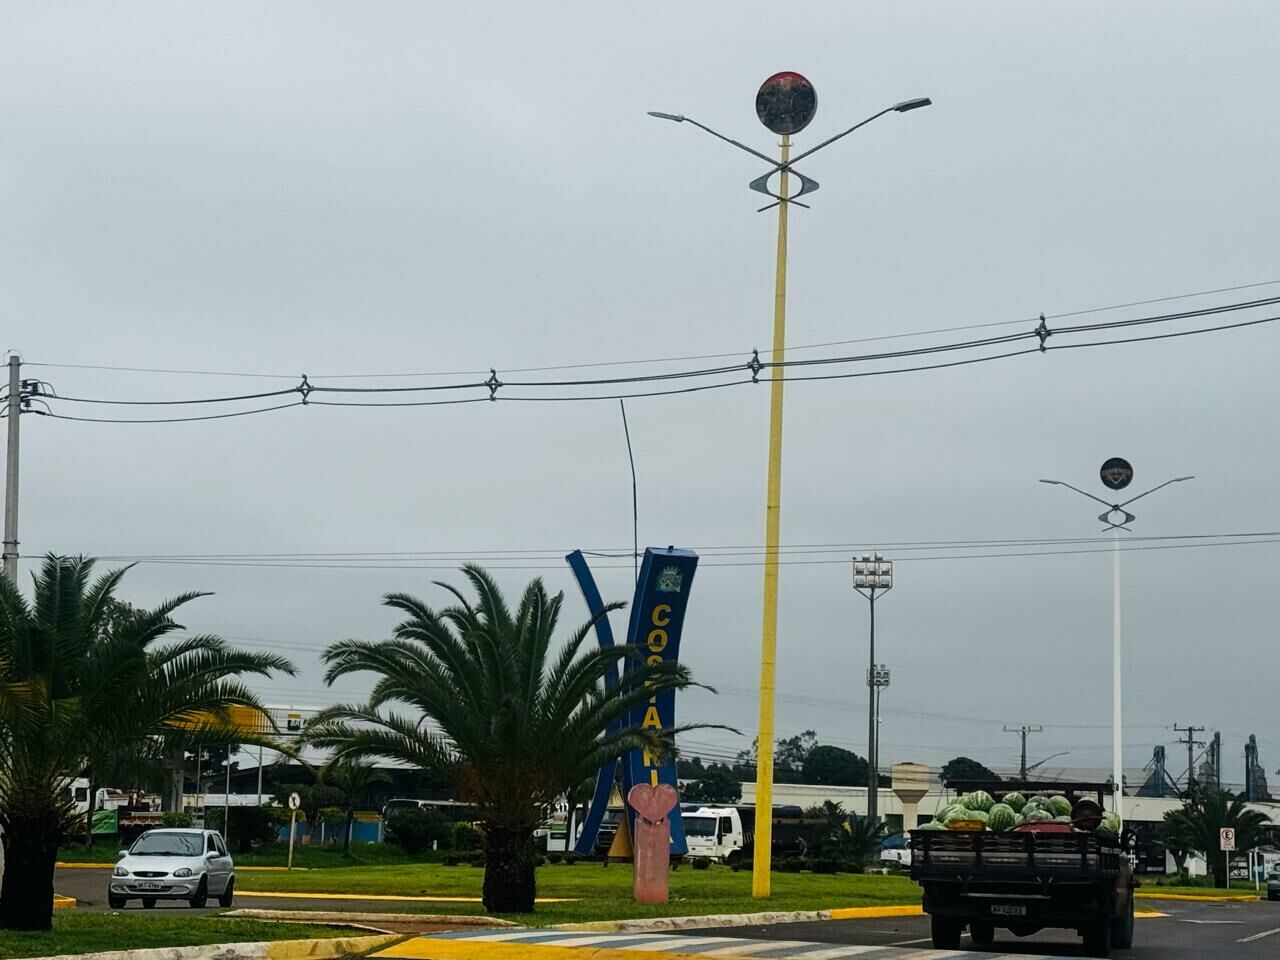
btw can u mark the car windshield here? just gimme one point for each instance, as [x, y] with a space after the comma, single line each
[168, 845]
[699, 826]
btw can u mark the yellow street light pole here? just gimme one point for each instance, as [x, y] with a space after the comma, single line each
[785, 104]
[760, 873]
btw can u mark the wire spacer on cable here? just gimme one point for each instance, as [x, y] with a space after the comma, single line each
[1044, 333]
[305, 388]
[493, 383]
[755, 366]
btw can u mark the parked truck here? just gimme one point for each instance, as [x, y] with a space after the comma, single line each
[1075, 875]
[727, 833]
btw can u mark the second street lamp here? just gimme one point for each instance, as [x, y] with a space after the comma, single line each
[1116, 474]
[785, 104]
[872, 575]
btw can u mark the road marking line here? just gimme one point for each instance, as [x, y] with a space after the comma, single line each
[1148, 914]
[871, 913]
[372, 896]
[1259, 936]
[1207, 922]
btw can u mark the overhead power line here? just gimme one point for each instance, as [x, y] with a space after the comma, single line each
[649, 360]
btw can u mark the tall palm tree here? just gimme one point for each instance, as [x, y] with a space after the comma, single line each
[73, 694]
[352, 778]
[512, 724]
[1196, 825]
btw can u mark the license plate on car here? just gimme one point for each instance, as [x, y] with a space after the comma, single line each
[148, 885]
[1008, 910]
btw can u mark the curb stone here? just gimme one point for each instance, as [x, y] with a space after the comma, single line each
[342, 916]
[661, 924]
[258, 950]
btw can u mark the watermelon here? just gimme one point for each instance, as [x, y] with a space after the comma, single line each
[1001, 817]
[979, 815]
[931, 825]
[957, 813]
[1062, 819]
[1060, 806]
[1016, 801]
[941, 815]
[1040, 800]
[1110, 822]
[978, 800]
[1036, 815]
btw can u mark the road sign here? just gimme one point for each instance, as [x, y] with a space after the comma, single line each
[786, 102]
[1116, 473]
[295, 801]
[1227, 838]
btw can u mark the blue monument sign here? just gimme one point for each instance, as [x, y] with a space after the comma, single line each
[657, 621]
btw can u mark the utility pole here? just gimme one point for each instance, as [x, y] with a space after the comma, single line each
[11, 471]
[1023, 732]
[872, 574]
[1191, 743]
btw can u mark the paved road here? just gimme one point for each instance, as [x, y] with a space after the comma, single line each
[89, 887]
[1190, 931]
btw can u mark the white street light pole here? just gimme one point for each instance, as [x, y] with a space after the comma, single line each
[1116, 474]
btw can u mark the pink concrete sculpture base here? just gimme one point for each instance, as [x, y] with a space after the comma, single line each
[652, 841]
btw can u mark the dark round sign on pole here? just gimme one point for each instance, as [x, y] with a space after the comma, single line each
[786, 103]
[1116, 473]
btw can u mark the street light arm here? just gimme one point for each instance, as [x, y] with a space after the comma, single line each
[831, 140]
[1082, 493]
[680, 118]
[1041, 763]
[1154, 489]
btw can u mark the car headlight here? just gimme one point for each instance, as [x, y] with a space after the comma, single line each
[119, 871]
[182, 872]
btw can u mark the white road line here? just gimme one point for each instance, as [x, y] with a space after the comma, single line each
[908, 943]
[1206, 922]
[1259, 936]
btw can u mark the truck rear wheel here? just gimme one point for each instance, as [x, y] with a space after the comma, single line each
[982, 932]
[1122, 927]
[1097, 938]
[945, 932]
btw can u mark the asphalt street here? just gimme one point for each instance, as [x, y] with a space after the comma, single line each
[1188, 931]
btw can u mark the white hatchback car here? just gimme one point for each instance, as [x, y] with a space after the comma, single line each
[174, 864]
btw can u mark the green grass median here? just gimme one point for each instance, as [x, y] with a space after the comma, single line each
[93, 932]
[592, 891]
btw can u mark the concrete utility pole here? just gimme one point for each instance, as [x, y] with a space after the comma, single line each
[11, 471]
[1191, 743]
[1024, 731]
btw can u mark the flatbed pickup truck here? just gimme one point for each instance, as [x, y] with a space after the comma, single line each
[1074, 875]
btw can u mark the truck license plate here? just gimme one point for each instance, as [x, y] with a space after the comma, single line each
[1008, 910]
[148, 885]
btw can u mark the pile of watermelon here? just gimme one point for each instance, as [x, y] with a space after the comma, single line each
[1013, 810]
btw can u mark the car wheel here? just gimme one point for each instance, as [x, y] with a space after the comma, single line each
[945, 932]
[1122, 928]
[982, 932]
[1097, 938]
[116, 903]
[149, 903]
[228, 895]
[201, 896]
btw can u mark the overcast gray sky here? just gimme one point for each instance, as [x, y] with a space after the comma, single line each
[413, 187]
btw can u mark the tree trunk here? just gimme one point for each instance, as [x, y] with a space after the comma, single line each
[509, 882]
[26, 893]
[346, 834]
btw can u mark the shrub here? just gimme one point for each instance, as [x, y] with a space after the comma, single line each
[249, 826]
[700, 863]
[175, 819]
[788, 865]
[554, 857]
[465, 837]
[451, 860]
[824, 865]
[415, 829]
[539, 861]
[476, 860]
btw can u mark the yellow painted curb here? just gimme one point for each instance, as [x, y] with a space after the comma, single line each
[265, 894]
[110, 866]
[425, 948]
[1148, 914]
[1188, 896]
[318, 949]
[63, 903]
[874, 913]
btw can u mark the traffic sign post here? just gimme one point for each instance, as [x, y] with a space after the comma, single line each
[1227, 843]
[295, 802]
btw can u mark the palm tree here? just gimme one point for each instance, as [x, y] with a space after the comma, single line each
[513, 725]
[352, 779]
[1196, 825]
[75, 695]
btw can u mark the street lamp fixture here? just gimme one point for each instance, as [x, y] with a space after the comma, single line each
[785, 103]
